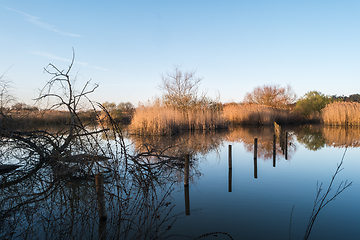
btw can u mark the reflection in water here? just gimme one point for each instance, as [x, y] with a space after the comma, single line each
[84, 196]
[344, 136]
[255, 157]
[186, 184]
[266, 149]
[315, 137]
[311, 137]
[274, 151]
[230, 169]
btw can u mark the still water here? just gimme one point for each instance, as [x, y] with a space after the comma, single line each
[225, 191]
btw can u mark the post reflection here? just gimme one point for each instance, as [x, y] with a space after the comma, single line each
[255, 157]
[274, 151]
[186, 184]
[230, 170]
[99, 184]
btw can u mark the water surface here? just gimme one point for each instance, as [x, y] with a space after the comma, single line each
[245, 198]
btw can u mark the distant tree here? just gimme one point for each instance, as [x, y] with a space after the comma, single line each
[353, 98]
[109, 106]
[23, 106]
[271, 95]
[336, 98]
[112, 109]
[5, 94]
[180, 89]
[312, 102]
[127, 107]
[121, 112]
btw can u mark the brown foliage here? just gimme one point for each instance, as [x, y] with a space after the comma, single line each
[271, 95]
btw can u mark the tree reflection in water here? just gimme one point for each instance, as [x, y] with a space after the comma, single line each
[66, 198]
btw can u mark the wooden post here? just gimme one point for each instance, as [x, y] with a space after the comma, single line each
[255, 157]
[274, 151]
[99, 183]
[186, 184]
[230, 170]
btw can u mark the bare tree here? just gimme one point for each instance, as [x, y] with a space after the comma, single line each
[271, 95]
[5, 94]
[180, 88]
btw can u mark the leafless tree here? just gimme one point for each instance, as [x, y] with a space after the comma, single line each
[5, 94]
[271, 95]
[180, 88]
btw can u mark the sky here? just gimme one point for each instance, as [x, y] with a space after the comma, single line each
[235, 46]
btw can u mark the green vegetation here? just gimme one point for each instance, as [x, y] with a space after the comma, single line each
[122, 112]
[312, 102]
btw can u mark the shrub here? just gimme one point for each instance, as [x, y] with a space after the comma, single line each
[312, 102]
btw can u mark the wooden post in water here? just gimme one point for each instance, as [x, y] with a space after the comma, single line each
[255, 157]
[186, 184]
[99, 183]
[274, 151]
[286, 145]
[230, 169]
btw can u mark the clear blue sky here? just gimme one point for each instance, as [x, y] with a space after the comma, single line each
[234, 45]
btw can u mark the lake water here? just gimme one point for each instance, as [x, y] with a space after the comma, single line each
[237, 198]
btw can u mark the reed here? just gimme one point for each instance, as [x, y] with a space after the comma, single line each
[342, 114]
[163, 120]
[257, 114]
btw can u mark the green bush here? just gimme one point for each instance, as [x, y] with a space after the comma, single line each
[312, 102]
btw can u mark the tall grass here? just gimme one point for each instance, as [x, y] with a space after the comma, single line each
[257, 114]
[162, 120]
[342, 113]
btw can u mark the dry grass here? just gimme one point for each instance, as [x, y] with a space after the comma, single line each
[159, 120]
[342, 113]
[257, 114]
